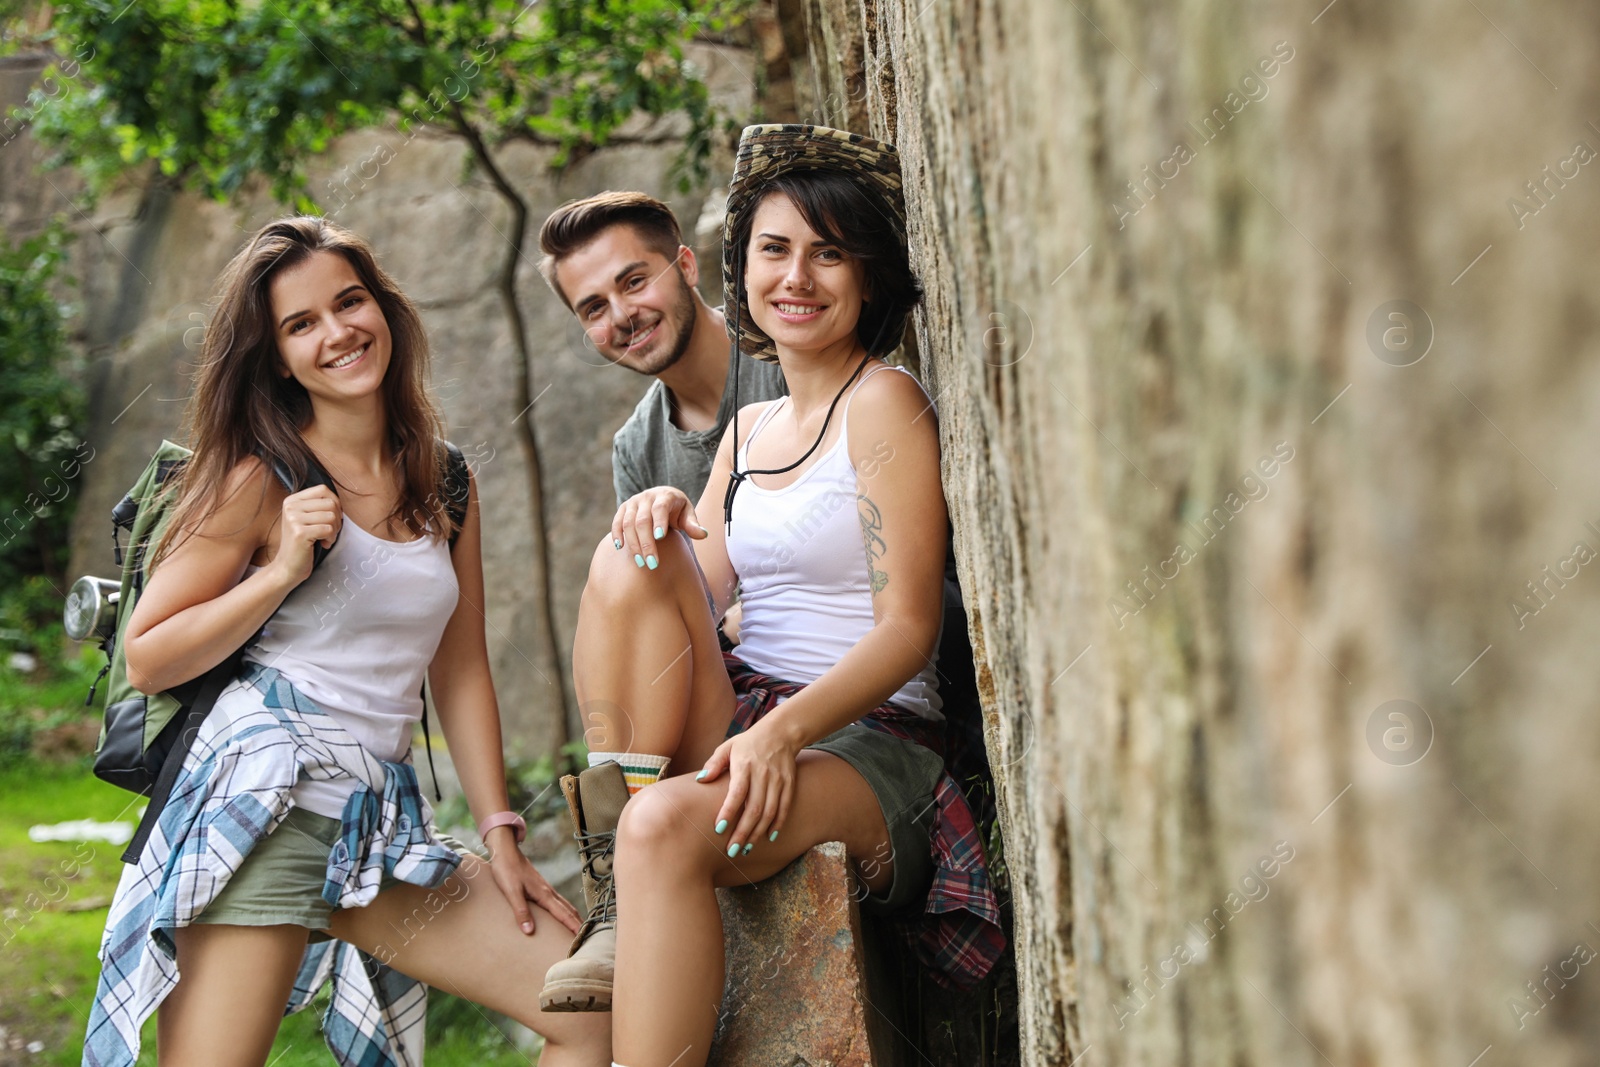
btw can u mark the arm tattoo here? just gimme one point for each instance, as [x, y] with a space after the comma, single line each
[871, 527]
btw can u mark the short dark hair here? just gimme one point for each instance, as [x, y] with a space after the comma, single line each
[577, 222]
[847, 214]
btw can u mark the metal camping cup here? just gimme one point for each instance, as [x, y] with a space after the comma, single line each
[91, 610]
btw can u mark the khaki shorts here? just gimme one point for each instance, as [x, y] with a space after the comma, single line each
[280, 882]
[903, 776]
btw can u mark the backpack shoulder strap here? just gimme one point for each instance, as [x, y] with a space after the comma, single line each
[315, 476]
[141, 512]
[457, 488]
[182, 731]
[457, 494]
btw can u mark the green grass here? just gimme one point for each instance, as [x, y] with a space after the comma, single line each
[51, 697]
[47, 965]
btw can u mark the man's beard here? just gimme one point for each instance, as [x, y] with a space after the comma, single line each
[672, 349]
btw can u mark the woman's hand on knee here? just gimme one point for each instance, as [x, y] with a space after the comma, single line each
[647, 517]
[760, 764]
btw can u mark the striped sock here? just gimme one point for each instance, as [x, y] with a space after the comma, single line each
[638, 768]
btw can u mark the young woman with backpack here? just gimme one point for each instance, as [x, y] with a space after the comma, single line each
[295, 847]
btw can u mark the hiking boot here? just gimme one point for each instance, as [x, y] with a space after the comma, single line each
[582, 981]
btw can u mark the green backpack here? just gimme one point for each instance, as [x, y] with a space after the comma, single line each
[144, 738]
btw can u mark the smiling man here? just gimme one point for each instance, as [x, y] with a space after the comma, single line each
[617, 260]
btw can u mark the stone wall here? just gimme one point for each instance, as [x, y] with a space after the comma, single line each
[146, 259]
[1219, 500]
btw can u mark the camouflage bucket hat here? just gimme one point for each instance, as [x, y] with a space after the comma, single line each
[764, 153]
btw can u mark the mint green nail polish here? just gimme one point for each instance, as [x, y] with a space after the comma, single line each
[661, 531]
[722, 824]
[747, 849]
[651, 562]
[772, 836]
[638, 560]
[733, 850]
[700, 777]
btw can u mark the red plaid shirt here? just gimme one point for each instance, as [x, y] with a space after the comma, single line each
[957, 933]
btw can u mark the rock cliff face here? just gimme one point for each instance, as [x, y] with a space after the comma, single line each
[1268, 388]
[147, 260]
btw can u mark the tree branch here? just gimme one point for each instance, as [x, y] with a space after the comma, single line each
[523, 384]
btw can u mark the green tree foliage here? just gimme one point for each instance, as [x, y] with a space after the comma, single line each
[41, 412]
[215, 91]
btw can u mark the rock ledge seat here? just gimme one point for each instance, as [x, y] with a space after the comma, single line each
[798, 966]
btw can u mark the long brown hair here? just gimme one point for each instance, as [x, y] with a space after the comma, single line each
[243, 407]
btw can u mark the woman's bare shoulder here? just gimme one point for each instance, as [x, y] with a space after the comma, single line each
[249, 496]
[753, 411]
[749, 415]
[893, 394]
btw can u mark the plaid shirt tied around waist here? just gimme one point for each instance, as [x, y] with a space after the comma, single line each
[957, 934]
[261, 738]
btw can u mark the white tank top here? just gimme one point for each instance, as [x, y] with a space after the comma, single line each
[357, 637]
[802, 570]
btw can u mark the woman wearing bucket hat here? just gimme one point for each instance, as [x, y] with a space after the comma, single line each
[825, 509]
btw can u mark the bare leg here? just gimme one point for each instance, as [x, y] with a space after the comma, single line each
[462, 938]
[235, 982]
[646, 664]
[649, 678]
[669, 933]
